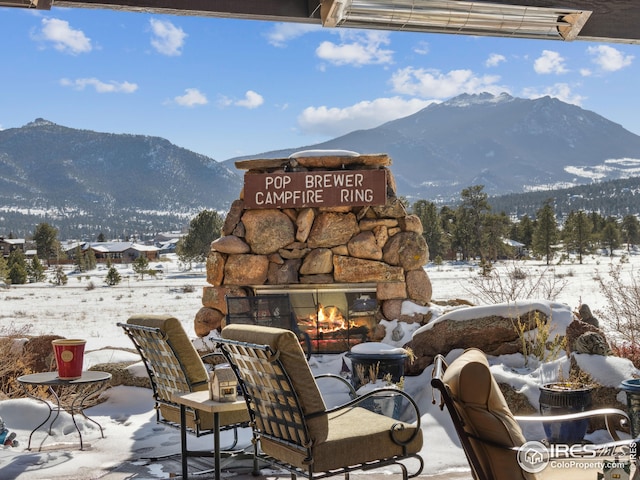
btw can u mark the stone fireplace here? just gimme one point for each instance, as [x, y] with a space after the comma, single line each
[333, 316]
[329, 230]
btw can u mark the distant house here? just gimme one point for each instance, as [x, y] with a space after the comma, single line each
[167, 242]
[518, 248]
[8, 245]
[121, 252]
[71, 247]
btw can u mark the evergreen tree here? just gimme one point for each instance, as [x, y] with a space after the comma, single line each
[598, 222]
[80, 259]
[90, 259]
[470, 218]
[610, 235]
[525, 231]
[494, 230]
[17, 264]
[576, 233]
[35, 270]
[141, 265]
[432, 228]
[59, 277]
[545, 234]
[46, 238]
[101, 238]
[447, 222]
[203, 229]
[630, 228]
[113, 277]
[4, 270]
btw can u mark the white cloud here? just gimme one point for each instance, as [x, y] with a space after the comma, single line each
[191, 98]
[549, 62]
[64, 38]
[251, 100]
[608, 58]
[357, 49]
[100, 86]
[561, 91]
[585, 72]
[431, 83]
[167, 39]
[368, 114]
[422, 48]
[494, 60]
[281, 33]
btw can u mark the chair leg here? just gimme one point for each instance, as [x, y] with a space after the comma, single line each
[256, 468]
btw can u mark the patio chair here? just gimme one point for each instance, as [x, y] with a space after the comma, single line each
[490, 434]
[292, 425]
[174, 365]
[267, 310]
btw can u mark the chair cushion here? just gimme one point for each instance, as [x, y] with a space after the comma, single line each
[185, 350]
[486, 415]
[355, 436]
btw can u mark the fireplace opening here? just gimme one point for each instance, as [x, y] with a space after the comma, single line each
[333, 317]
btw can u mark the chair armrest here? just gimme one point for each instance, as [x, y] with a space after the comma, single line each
[352, 391]
[607, 413]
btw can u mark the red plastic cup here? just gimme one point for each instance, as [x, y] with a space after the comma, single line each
[69, 357]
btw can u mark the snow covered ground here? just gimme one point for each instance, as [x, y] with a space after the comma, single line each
[75, 311]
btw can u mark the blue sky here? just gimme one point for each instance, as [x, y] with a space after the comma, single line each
[224, 87]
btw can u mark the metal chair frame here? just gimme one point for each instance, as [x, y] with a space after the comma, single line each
[446, 399]
[276, 412]
[167, 374]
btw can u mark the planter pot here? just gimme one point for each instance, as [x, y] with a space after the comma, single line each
[387, 404]
[632, 389]
[560, 399]
[69, 355]
[387, 364]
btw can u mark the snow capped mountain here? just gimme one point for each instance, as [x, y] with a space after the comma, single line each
[506, 143]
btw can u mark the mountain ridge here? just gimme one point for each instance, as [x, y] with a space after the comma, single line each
[90, 182]
[510, 144]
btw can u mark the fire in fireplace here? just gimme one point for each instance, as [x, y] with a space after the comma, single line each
[334, 316]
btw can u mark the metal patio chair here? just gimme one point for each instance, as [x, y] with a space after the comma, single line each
[292, 425]
[490, 434]
[174, 365]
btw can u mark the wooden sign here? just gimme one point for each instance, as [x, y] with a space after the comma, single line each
[334, 188]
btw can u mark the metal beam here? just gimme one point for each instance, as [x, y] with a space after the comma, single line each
[611, 20]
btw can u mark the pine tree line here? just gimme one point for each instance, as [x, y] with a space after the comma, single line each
[472, 230]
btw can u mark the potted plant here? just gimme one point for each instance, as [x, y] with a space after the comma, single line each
[567, 395]
[386, 403]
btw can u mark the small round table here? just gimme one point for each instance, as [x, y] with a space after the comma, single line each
[77, 390]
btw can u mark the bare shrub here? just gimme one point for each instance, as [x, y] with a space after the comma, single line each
[628, 351]
[622, 293]
[15, 362]
[515, 284]
[539, 343]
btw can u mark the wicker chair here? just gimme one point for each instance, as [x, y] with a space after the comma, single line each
[491, 435]
[174, 365]
[290, 422]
